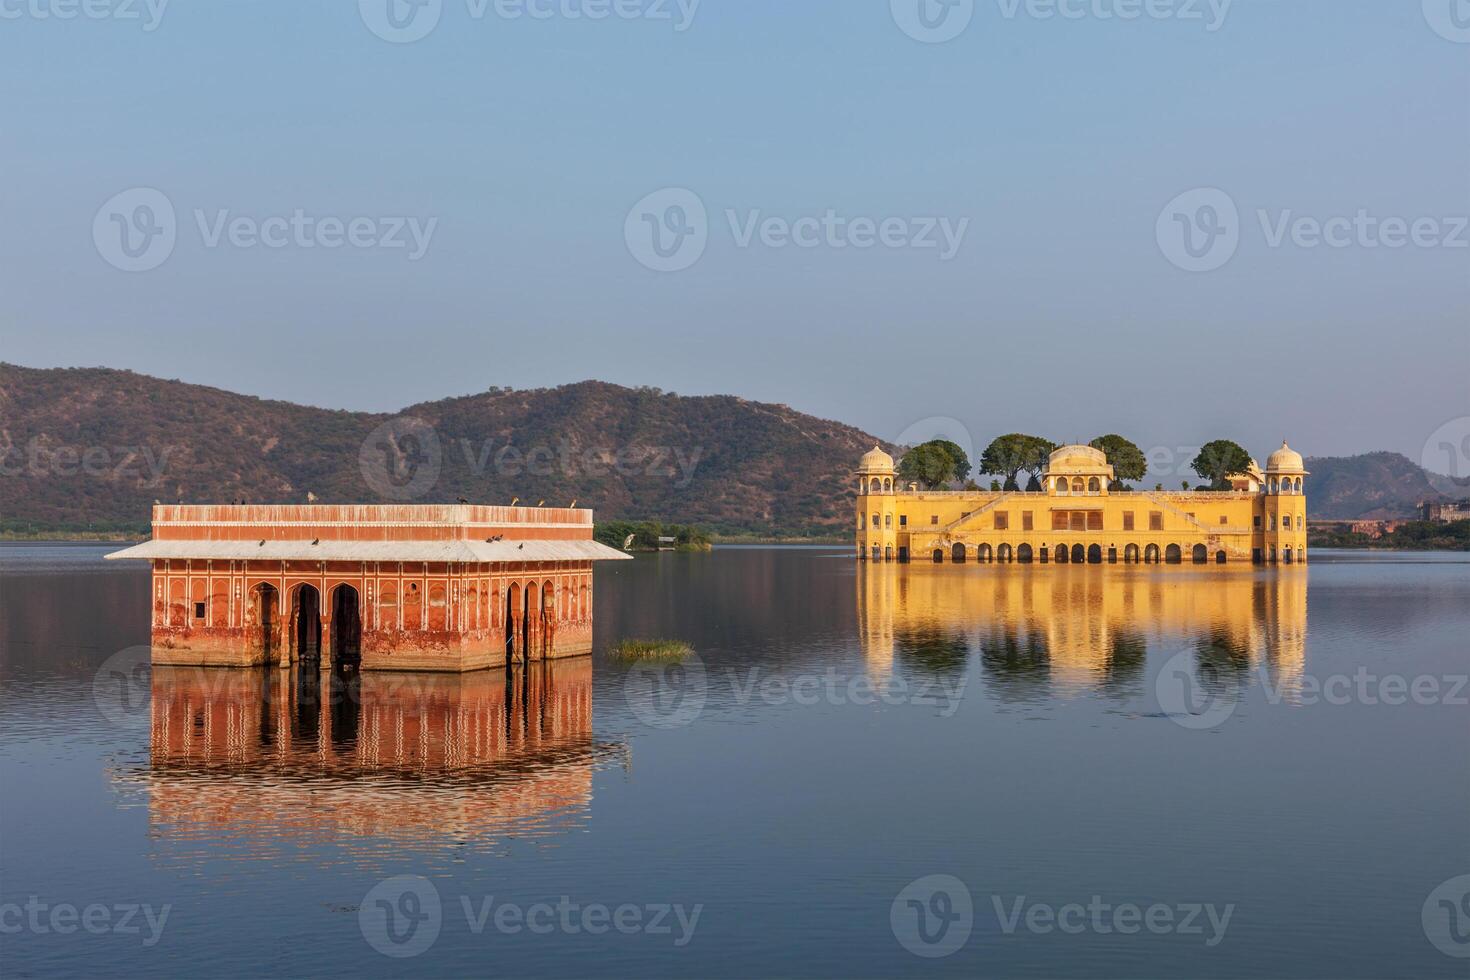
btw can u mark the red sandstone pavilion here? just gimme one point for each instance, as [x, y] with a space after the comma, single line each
[385, 587]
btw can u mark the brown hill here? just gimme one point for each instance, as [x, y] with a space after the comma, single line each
[97, 446]
[1374, 486]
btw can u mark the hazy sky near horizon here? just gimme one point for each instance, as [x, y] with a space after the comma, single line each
[1041, 155]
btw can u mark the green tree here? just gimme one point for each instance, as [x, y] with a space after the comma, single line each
[1219, 459]
[1126, 459]
[1013, 454]
[934, 464]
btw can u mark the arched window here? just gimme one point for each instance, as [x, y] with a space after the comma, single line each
[887, 520]
[958, 554]
[876, 485]
[1298, 484]
[1173, 555]
[1094, 554]
[1151, 555]
[1093, 486]
[1023, 554]
[984, 553]
[1201, 555]
[1061, 484]
[1130, 554]
[1077, 484]
[1079, 554]
[1062, 554]
[888, 553]
[1003, 553]
[887, 485]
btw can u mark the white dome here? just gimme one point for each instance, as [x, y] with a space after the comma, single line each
[1285, 460]
[876, 461]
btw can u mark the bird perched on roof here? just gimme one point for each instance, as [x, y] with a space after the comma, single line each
[310, 497]
[463, 501]
[571, 505]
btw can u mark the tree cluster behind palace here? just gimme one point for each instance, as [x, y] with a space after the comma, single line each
[941, 463]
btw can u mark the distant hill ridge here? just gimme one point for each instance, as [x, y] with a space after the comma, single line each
[96, 446]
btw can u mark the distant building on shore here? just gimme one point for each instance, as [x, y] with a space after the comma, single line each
[1445, 511]
[384, 587]
[1077, 519]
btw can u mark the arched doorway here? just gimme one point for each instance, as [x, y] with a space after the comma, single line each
[530, 625]
[939, 556]
[1201, 555]
[1286, 554]
[1062, 554]
[1173, 555]
[1024, 554]
[346, 626]
[1151, 555]
[306, 622]
[1130, 554]
[1003, 553]
[512, 620]
[264, 614]
[984, 553]
[957, 554]
[1094, 554]
[1220, 558]
[888, 553]
[1079, 554]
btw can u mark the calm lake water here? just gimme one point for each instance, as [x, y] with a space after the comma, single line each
[978, 770]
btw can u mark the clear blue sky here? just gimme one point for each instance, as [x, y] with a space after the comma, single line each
[1060, 140]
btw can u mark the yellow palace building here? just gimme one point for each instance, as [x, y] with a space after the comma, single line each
[1077, 519]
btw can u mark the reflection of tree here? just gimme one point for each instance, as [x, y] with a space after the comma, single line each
[1222, 660]
[1016, 664]
[932, 648]
[1127, 654]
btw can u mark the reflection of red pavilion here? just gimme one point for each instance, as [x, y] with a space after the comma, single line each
[386, 587]
[264, 755]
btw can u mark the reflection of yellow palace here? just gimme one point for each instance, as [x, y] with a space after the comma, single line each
[1077, 519]
[1085, 626]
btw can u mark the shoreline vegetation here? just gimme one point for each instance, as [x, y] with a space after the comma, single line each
[1408, 536]
[644, 536]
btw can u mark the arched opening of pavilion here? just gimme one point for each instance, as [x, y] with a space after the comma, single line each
[306, 622]
[346, 626]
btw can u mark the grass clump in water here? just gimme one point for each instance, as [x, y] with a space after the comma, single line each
[663, 651]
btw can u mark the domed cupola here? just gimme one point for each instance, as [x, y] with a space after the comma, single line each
[876, 461]
[1077, 469]
[1285, 460]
